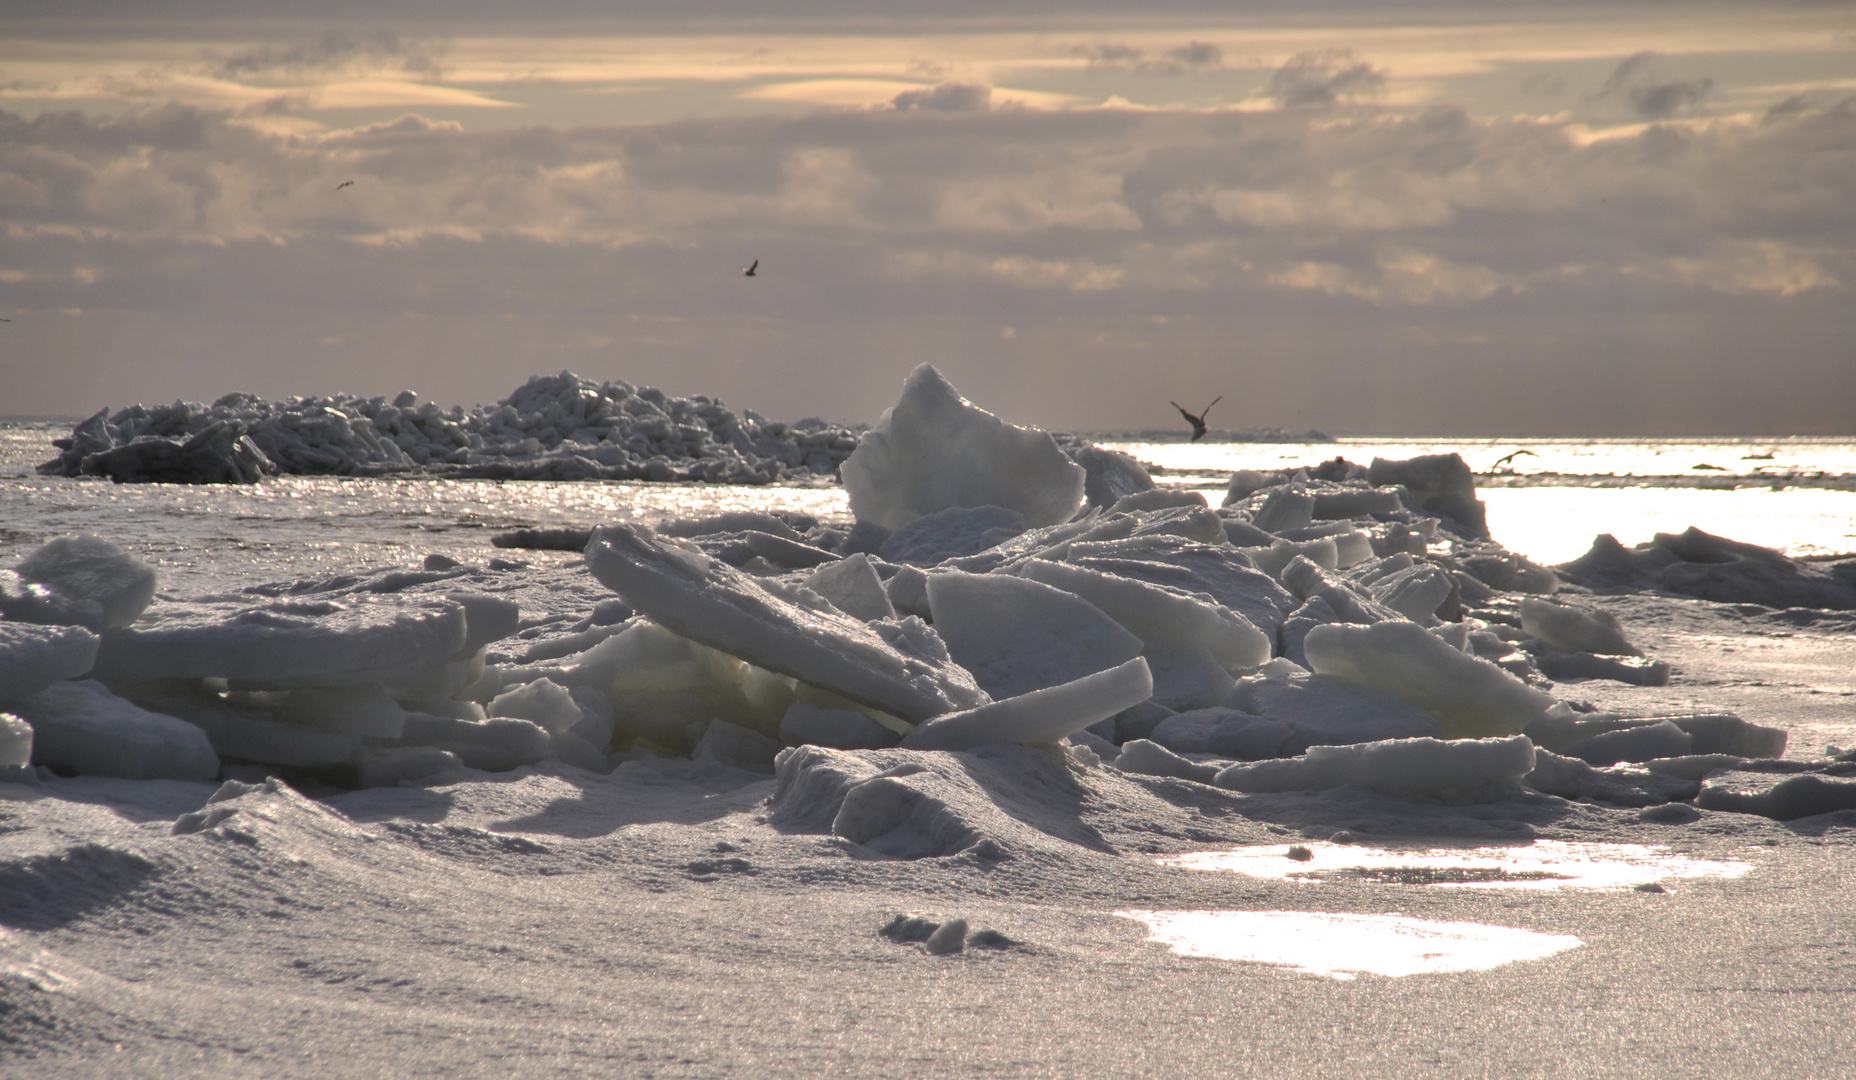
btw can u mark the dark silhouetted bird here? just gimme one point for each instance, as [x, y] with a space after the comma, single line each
[749, 272]
[1506, 459]
[1197, 422]
[343, 184]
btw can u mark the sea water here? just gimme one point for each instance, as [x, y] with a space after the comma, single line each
[1547, 504]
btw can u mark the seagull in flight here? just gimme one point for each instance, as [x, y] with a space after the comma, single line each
[1197, 422]
[1508, 459]
[343, 184]
[749, 272]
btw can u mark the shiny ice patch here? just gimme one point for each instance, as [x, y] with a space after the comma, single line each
[1344, 946]
[1544, 864]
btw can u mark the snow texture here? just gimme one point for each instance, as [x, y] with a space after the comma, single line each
[934, 449]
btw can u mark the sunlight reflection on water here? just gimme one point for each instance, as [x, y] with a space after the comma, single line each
[1543, 864]
[1343, 946]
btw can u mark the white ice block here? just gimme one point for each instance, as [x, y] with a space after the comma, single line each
[15, 741]
[33, 657]
[1042, 716]
[934, 449]
[78, 580]
[1161, 616]
[892, 669]
[1017, 635]
[1465, 768]
[543, 703]
[852, 586]
[285, 643]
[82, 726]
[1326, 710]
[1470, 696]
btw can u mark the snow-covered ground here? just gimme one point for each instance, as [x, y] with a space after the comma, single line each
[1538, 874]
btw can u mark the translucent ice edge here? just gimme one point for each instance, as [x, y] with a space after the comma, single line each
[1544, 864]
[1344, 946]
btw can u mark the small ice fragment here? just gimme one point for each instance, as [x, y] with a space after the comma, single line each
[957, 531]
[79, 580]
[934, 449]
[83, 727]
[1149, 758]
[542, 702]
[1042, 716]
[852, 586]
[1634, 744]
[949, 937]
[15, 741]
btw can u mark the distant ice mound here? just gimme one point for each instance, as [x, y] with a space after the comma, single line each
[934, 450]
[556, 427]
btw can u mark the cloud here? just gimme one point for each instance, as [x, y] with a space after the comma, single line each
[947, 97]
[1653, 97]
[1180, 60]
[1323, 78]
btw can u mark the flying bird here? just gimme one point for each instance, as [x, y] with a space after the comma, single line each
[1507, 459]
[749, 272]
[343, 184]
[1197, 422]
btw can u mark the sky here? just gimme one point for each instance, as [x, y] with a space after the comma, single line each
[1444, 219]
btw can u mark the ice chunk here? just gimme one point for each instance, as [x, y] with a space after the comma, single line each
[733, 521]
[34, 657]
[1569, 629]
[403, 765]
[1017, 635]
[1469, 695]
[852, 587]
[1161, 616]
[1416, 593]
[1158, 499]
[15, 741]
[1349, 604]
[1634, 744]
[1225, 732]
[933, 449]
[83, 727]
[1042, 716]
[285, 643]
[248, 734]
[951, 533]
[486, 618]
[1275, 559]
[1571, 778]
[1110, 474]
[661, 685]
[1460, 769]
[1325, 710]
[1284, 508]
[491, 745]
[1787, 800]
[908, 592]
[719, 606]
[355, 710]
[543, 703]
[1442, 484]
[842, 729]
[1151, 759]
[1584, 665]
[1355, 503]
[1218, 572]
[77, 581]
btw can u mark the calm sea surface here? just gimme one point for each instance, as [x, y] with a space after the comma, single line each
[1557, 497]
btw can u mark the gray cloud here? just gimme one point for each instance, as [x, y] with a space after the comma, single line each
[1653, 97]
[951, 97]
[1180, 60]
[1325, 77]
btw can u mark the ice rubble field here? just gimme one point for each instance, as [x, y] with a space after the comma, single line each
[1020, 674]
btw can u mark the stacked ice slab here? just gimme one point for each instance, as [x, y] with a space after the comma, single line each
[558, 427]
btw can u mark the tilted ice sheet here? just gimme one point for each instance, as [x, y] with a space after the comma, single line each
[719, 606]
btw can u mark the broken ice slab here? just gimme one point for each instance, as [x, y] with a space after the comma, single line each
[1042, 716]
[853, 587]
[1572, 630]
[893, 667]
[77, 580]
[1161, 616]
[1560, 729]
[952, 533]
[83, 727]
[1470, 696]
[1456, 769]
[248, 734]
[33, 657]
[934, 449]
[284, 643]
[1634, 670]
[1017, 635]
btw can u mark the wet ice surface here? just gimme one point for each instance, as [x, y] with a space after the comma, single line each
[1544, 864]
[1345, 946]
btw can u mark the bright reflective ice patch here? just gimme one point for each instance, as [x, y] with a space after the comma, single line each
[1544, 864]
[1342, 946]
